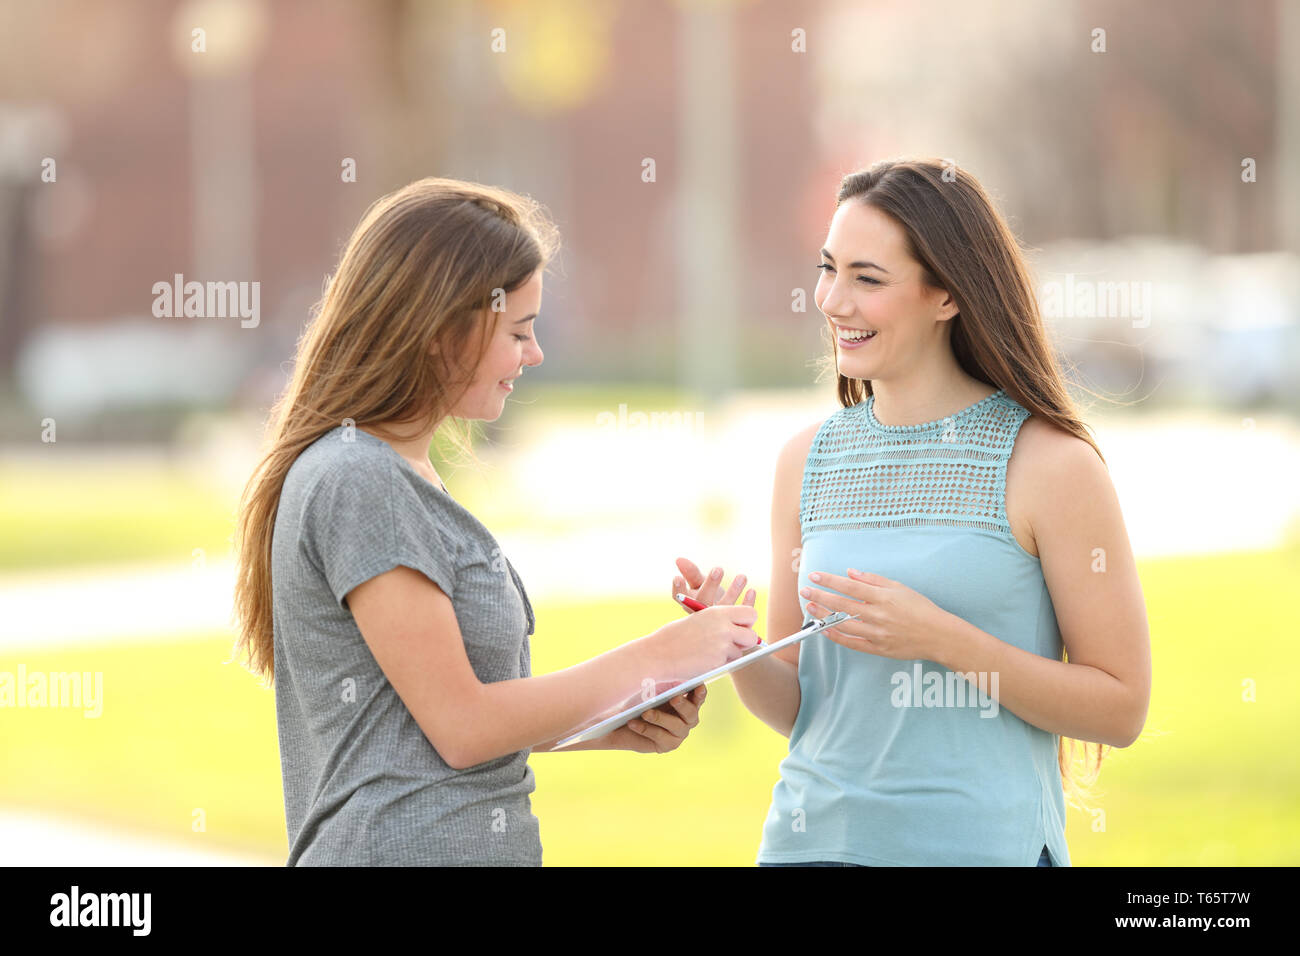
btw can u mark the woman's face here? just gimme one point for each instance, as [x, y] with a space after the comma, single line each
[869, 283]
[513, 346]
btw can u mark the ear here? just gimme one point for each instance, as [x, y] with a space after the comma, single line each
[947, 306]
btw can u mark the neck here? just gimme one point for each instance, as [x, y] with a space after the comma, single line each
[926, 392]
[412, 446]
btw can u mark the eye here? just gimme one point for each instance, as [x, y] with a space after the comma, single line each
[867, 279]
[522, 338]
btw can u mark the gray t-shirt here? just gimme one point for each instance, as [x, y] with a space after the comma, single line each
[363, 786]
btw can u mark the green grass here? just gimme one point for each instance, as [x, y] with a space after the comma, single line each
[57, 517]
[1213, 781]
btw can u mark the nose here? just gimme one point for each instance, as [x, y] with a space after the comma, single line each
[534, 355]
[831, 300]
[834, 305]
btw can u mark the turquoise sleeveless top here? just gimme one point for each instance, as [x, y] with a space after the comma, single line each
[903, 762]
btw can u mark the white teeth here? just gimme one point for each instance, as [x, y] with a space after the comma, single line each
[855, 336]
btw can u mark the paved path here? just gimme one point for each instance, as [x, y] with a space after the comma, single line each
[32, 839]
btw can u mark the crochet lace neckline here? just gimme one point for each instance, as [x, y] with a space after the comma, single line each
[869, 411]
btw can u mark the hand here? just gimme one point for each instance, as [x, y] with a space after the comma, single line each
[705, 590]
[893, 620]
[706, 639]
[662, 729]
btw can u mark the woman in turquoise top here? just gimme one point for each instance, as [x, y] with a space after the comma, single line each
[958, 506]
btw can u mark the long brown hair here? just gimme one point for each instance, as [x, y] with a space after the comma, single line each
[427, 264]
[964, 246]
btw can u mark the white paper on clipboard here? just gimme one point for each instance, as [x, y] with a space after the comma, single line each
[640, 707]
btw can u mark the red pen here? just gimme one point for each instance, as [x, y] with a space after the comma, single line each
[691, 603]
[695, 605]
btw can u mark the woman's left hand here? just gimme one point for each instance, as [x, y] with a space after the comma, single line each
[662, 729]
[893, 620]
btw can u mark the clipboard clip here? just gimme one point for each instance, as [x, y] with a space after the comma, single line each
[838, 617]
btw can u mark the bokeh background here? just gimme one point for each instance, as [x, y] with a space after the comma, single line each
[1148, 155]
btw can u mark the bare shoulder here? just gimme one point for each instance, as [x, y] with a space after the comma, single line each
[795, 451]
[1049, 470]
[790, 463]
[1046, 453]
[787, 486]
[1052, 473]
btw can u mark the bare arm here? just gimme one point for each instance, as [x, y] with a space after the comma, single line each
[1102, 693]
[770, 688]
[410, 626]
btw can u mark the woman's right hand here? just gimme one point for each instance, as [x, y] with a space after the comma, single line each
[694, 584]
[702, 641]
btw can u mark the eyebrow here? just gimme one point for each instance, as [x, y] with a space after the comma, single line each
[525, 319]
[859, 265]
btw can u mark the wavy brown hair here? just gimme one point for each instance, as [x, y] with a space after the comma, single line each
[965, 247]
[426, 265]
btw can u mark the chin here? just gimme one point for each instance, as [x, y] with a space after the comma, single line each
[487, 410]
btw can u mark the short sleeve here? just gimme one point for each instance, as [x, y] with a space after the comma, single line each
[364, 518]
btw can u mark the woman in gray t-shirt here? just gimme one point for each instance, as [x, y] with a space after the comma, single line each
[393, 626]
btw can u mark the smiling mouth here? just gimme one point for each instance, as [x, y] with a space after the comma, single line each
[854, 336]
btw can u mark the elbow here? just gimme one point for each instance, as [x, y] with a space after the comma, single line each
[460, 743]
[1130, 739]
[468, 750]
[1133, 730]
[455, 750]
[454, 759]
[455, 756]
[1122, 742]
[1128, 715]
[467, 753]
[1118, 738]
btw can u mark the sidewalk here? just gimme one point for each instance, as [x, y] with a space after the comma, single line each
[32, 839]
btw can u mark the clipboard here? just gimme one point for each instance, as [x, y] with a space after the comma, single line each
[744, 660]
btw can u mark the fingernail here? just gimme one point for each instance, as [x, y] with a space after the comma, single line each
[716, 573]
[814, 576]
[806, 592]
